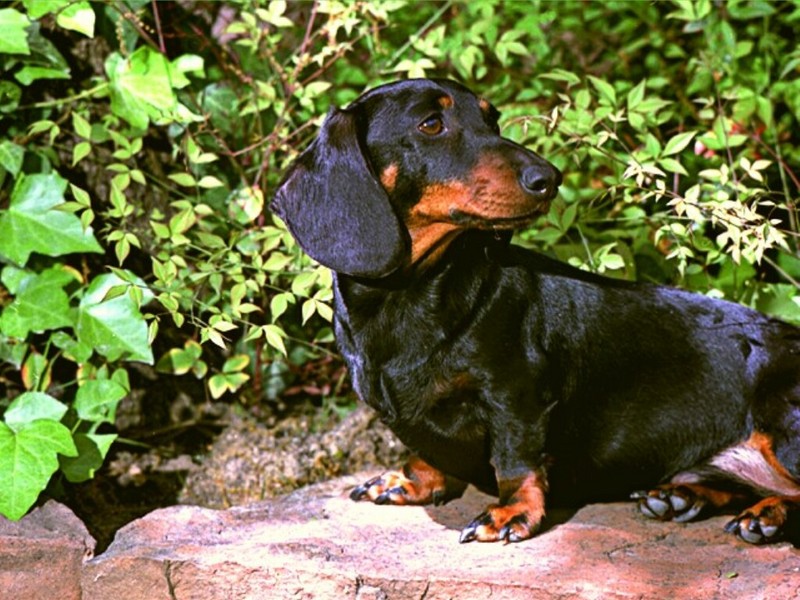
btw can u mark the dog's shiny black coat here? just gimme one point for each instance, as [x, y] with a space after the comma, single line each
[511, 371]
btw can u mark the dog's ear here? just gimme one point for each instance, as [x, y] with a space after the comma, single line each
[336, 209]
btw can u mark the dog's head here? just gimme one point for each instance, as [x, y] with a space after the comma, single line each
[395, 176]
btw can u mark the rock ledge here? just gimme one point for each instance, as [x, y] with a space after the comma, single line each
[316, 543]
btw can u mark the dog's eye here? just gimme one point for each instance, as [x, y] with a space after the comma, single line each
[433, 125]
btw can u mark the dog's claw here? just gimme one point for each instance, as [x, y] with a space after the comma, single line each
[390, 496]
[468, 534]
[508, 535]
[360, 492]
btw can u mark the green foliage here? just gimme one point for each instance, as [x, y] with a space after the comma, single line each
[138, 155]
[31, 439]
[704, 170]
[36, 222]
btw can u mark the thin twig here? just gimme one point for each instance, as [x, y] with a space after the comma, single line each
[161, 46]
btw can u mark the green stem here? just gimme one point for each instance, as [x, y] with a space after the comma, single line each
[60, 101]
[412, 38]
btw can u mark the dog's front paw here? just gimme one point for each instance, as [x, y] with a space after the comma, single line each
[670, 503]
[763, 523]
[512, 523]
[417, 483]
[390, 488]
[518, 516]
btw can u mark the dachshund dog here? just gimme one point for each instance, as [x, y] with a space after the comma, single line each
[505, 369]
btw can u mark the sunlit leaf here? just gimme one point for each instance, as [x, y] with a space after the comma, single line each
[115, 328]
[32, 222]
[78, 16]
[40, 304]
[28, 458]
[13, 34]
[678, 142]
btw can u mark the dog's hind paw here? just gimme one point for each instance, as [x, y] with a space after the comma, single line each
[670, 503]
[763, 523]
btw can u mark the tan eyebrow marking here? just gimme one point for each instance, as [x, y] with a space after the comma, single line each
[389, 177]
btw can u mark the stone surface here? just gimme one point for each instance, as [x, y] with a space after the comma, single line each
[42, 554]
[316, 543]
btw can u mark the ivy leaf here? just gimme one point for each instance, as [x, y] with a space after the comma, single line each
[73, 350]
[44, 53]
[187, 63]
[78, 17]
[32, 406]
[92, 450]
[39, 8]
[40, 304]
[33, 223]
[11, 156]
[141, 88]
[97, 400]
[28, 458]
[221, 104]
[115, 328]
[14, 353]
[13, 37]
[10, 95]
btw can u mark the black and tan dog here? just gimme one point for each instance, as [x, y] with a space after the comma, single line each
[502, 368]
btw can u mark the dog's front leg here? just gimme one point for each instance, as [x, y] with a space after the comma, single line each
[517, 516]
[519, 465]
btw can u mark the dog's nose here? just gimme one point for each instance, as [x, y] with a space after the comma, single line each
[541, 180]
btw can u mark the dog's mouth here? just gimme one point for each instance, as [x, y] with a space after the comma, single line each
[475, 221]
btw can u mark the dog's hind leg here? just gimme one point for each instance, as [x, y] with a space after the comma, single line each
[731, 478]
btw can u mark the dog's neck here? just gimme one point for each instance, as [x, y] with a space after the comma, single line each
[467, 247]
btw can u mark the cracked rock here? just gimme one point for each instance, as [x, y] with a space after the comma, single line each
[316, 543]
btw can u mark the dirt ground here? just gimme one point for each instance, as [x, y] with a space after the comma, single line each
[230, 458]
